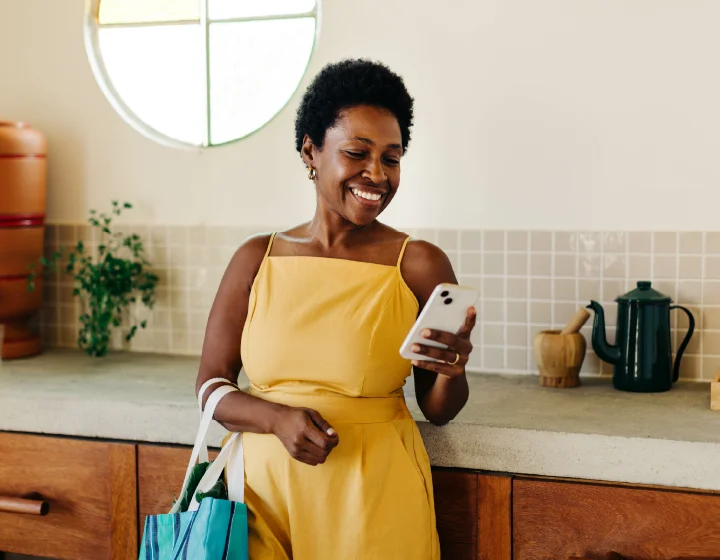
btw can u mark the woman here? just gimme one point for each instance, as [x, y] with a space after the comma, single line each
[334, 464]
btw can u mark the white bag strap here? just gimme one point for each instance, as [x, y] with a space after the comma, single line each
[203, 456]
[200, 441]
[232, 448]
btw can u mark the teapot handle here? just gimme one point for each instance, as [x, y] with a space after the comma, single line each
[685, 342]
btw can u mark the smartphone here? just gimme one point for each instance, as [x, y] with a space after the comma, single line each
[446, 310]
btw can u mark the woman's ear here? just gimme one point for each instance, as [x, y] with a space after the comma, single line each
[308, 151]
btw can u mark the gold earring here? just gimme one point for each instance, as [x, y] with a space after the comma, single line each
[312, 173]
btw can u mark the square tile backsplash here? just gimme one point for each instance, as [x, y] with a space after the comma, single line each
[528, 280]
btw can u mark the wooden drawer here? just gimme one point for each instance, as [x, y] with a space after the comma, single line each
[564, 519]
[456, 507]
[161, 470]
[91, 490]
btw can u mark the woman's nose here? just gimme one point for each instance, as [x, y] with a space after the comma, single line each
[375, 171]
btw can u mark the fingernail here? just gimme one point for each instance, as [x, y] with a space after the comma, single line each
[415, 348]
[426, 333]
[331, 432]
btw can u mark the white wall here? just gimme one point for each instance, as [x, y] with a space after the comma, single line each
[560, 114]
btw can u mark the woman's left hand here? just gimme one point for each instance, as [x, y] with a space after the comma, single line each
[455, 356]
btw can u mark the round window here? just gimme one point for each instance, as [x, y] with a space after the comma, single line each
[199, 72]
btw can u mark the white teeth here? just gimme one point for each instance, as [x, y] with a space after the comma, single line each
[366, 195]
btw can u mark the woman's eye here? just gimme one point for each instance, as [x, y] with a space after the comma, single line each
[393, 162]
[356, 155]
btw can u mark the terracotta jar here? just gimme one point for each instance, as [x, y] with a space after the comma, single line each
[22, 225]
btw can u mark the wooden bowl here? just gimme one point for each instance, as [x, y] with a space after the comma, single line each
[559, 358]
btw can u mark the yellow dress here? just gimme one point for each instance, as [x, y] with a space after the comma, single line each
[325, 333]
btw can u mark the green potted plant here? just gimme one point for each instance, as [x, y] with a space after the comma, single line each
[107, 283]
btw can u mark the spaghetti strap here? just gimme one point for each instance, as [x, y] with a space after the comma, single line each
[402, 251]
[270, 243]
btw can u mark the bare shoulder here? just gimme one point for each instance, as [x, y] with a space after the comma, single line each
[247, 259]
[423, 267]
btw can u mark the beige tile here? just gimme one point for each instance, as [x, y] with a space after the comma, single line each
[691, 242]
[198, 320]
[589, 289]
[198, 255]
[540, 313]
[614, 242]
[541, 264]
[180, 320]
[493, 263]
[613, 288]
[517, 359]
[691, 367]
[492, 311]
[493, 287]
[517, 312]
[564, 289]
[712, 242]
[565, 241]
[589, 266]
[177, 256]
[710, 292]
[195, 342]
[589, 242]
[710, 342]
[518, 241]
[454, 259]
[471, 240]
[473, 281]
[695, 343]
[493, 335]
[517, 288]
[493, 359]
[563, 312]
[448, 239]
[541, 288]
[197, 235]
[177, 235]
[710, 367]
[712, 268]
[665, 267]
[67, 234]
[639, 267]
[158, 235]
[179, 341]
[591, 365]
[493, 240]
[471, 263]
[565, 266]
[68, 315]
[517, 335]
[690, 267]
[667, 287]
[640, 242]
[475, 361]
[541, 241]
[615, 265]
[691, 291]
[517, 264]
[665, 243]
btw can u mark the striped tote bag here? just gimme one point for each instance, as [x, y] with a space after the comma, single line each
[211, 528]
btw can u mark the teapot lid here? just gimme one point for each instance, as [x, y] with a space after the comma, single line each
[644, 293]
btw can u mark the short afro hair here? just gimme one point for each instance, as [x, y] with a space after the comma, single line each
[347, 84]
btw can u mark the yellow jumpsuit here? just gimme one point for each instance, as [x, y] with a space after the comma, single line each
[325, 333]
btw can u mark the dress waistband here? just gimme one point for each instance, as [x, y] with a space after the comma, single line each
[342, 409]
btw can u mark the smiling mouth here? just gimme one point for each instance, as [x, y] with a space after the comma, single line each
[367, 198]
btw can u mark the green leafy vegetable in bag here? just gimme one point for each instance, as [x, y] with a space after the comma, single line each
[219, 490]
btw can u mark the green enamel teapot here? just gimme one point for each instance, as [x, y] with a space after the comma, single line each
[642, 355]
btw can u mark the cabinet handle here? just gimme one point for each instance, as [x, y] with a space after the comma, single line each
[23, 505]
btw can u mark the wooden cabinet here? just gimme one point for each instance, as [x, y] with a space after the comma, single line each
[90, 489]
[562, 519]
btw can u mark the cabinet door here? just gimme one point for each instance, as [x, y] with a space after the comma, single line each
[456, 510]
[161, 470]
[554, 519]
[90, 490]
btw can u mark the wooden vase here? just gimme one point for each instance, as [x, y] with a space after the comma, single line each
[559, 358]
[22, 225]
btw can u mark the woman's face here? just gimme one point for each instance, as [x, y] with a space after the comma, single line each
[358, 168]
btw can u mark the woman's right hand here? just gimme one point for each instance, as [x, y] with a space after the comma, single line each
[306, 435]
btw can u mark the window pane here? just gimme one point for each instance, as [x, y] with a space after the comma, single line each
[159, 73]
[224, 9]
[255, 68]
[137, 11]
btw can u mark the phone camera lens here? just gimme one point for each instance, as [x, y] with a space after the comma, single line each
[448, 301]
[445, 293]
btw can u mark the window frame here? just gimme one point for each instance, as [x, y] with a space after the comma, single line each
[103, 78]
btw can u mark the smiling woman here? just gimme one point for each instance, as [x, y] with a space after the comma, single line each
[199, 72]
[334, 466]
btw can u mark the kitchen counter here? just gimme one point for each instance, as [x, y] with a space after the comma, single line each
[510, 423]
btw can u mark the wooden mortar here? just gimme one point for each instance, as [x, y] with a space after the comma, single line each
[560, 354]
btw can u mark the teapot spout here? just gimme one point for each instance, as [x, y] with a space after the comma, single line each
[603, 349]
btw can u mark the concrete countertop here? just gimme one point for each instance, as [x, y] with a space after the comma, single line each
[510, 423]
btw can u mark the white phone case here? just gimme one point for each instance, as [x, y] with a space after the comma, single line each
[440, 314]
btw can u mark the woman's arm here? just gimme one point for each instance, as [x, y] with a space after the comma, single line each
[441, 389]
[304, 432]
